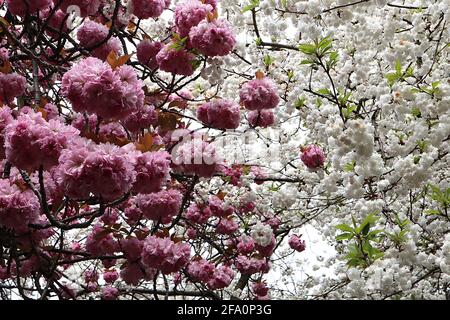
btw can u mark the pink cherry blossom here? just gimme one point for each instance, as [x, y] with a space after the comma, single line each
[31, 142]
[222, 278]
[220, 114]
[296, 243]
[5, 119]
[176, 61]
[190, 13]
[313, 157]
[147, 51]
[110, 276]
[226, 226]
[160, 206]
[165, 255]
[213, 38]
[196, 157]
[100, 243]
[144, 9]
[198, 213]
[12, 85]
[17, 208]
[93, 35]
[246, 245]
[92, 86]
[22, 7]
[110, 293]
[259, 94]
[87, 7]
[104, 170]
[201, 270]
[262, 118]
[219, 208]
[152, 170]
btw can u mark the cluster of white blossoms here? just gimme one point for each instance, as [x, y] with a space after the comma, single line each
[381, 115]
[262, 234]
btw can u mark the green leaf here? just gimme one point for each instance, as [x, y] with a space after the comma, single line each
[344, 227]
[365, 229]
[303, 62]
[344, 236]
[416, 112]
[290, 74]
[349, 167]
[300, 103]
[432, 212]
[325, 45]
[398, 67]
[268, 60]
[253, 4]
[391, 78]
[409, 72]
[324, 91]
[307, 48]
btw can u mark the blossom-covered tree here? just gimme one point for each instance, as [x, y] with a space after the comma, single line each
[156, 149]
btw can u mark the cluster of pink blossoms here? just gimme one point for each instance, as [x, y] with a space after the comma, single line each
[260, 290]
[209, 38]
[112, 130]
[103, 170]
[110, 276]
[262, 118]
[267, 250]
[227, 226]
[99, 243]
[189, 14]
[176, 61]
[250, 265]
[165, 255]
[56, 20]
[17, 208]
[181, 98]
[313, 157]
[201, 270]
[93, 86]
[160, 206]
[152, 170]
[296, 243]
[31, 141]
[91, 34]
[4, 55]
[147, 51]
[134, 270]
[219, 114]
[110, 293]
[215, 277]
[144, 9]
[22, 7]
[141, 119]
[219, 208]
[213, 38]
[246, 245]
[259, 94]
[222, 277]
[12, 85]
[198, 213]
